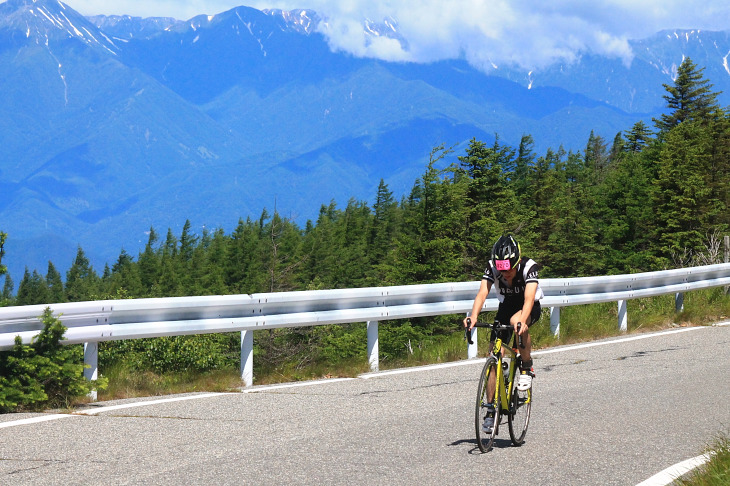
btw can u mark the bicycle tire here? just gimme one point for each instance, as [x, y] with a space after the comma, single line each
[518, 419]
[485, 440]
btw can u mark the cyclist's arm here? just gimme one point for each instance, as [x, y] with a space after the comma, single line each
[481, 296]
[530, 292]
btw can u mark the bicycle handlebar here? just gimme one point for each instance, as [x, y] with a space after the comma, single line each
[497, 326]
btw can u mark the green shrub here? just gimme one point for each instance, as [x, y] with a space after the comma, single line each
[199, 353]
[44, 373]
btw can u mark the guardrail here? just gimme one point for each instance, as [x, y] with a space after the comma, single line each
[93, 322]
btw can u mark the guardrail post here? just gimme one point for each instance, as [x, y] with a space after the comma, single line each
[247, 358]
[726, 241]
[623, 324]
[555, 321]
[679, 302]
[472, 350]
[373, 347]
[91, 364]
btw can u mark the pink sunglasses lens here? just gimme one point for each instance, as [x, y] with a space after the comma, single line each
[502, 265]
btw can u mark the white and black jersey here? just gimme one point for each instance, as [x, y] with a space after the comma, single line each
[514, 295]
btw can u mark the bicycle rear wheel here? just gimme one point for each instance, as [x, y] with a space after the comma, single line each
[519, 414]
[484, 439]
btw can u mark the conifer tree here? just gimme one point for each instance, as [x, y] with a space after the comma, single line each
[6, 297]
[596, 155]
[637, 137]
[244, 272]
[148, 262]
[524, 163]
[383, 223]
[82, 282]
[3, 237]
[32, 289]
[56, 292]
[188, 241]
[680, 194]
[689, 98]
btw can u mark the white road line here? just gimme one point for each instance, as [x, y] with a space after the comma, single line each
[264, 388]
[34, 420]
[673, 472]
[413, 369]
[614, 341]
[94, 411]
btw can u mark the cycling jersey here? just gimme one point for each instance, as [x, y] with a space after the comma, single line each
[514, 295]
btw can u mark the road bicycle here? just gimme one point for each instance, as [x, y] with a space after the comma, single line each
[501, 368]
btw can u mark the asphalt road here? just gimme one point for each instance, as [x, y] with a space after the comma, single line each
[613, 413]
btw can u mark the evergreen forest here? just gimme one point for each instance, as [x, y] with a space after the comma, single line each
[654, 197]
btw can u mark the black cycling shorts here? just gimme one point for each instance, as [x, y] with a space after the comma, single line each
[505, 313]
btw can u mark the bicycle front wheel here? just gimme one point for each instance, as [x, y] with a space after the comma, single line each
[519, 414]
[485, 439]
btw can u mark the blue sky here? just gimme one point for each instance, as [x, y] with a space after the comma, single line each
[528, 33]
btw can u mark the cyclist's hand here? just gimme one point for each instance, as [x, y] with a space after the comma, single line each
[521, 329]
[468, 323]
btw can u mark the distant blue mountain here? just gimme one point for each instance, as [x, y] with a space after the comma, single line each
[114, 124]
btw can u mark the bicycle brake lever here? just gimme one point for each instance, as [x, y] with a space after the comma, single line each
[467, 332]
[519, 336]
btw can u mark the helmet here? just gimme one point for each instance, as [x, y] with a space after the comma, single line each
[505, 253]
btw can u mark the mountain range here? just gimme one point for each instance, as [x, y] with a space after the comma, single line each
[111, 125]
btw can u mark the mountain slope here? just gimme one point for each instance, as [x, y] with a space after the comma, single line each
[111, 125]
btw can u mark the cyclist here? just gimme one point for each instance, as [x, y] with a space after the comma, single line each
[519, 294]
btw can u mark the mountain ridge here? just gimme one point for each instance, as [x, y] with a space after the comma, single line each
[115, 124]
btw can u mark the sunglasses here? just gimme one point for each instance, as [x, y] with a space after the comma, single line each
[502, 265]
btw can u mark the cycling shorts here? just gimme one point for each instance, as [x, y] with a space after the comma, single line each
[505, 313]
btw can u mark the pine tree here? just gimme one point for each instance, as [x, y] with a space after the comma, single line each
[689, 98]
[124, 277]
[32, 289]
[524, 164]
[149, 262]
[82, 282]
[596, 155]
[3, 237]
[680, 193]
[188, 241]
[244, 272]
[383, 225]
[56, 292]
[637, 138]
[6, 297]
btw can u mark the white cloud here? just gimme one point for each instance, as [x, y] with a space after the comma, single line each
[529, 33]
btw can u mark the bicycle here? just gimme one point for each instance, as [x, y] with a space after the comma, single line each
[502, 364]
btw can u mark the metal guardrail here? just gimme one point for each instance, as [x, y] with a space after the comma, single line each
[93, 322]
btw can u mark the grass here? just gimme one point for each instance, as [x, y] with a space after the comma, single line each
[577, 324]
[715, 472]
[125, 383]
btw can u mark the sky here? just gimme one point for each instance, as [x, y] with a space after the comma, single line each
[527, 33]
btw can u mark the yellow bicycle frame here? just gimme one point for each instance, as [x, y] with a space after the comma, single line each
[500, 385]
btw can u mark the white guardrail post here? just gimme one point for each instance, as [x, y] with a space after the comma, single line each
[373, 346]
[623, 321]
[726, 242]
[555, 321]
[679, 302]
[247, 358]
[91, 364]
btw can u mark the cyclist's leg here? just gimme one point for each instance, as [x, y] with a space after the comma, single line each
[492, 378]
[526, 352]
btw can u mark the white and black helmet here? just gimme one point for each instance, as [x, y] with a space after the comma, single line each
[505, 253]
